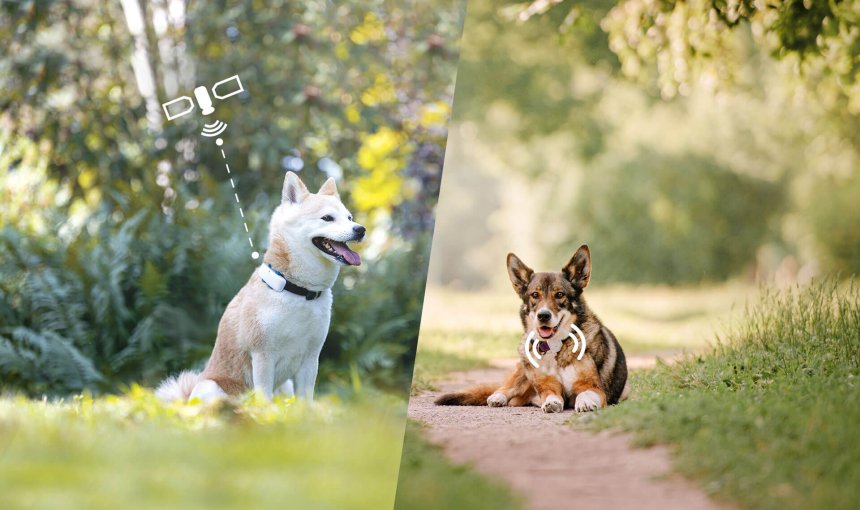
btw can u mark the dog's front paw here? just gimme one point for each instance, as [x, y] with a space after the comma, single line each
[553, 404]
[586, 401]
[497, 400]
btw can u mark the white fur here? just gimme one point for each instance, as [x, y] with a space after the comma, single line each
[207, 390]
[177, 387]
[497, 400]
[553, 404]
[568, 376]
[295, 329]
[287, 389]
[587, 401]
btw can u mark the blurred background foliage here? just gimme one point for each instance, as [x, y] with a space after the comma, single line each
[686, 142]
[119, 248]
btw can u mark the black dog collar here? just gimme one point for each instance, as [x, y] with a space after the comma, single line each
[276, 281]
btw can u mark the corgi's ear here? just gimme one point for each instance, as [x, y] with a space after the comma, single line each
[578, 269]
[520, 274]
[294, 191]
[329, 187]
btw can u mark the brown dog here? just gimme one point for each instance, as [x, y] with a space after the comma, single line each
[552, 304]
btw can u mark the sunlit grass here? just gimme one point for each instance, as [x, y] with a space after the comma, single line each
[131, 451]
[770, 416]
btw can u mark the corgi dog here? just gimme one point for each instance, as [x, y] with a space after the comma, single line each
[562, 375]
[271, 334]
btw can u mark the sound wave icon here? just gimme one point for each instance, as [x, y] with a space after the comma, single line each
[533, 354]
[214, 129]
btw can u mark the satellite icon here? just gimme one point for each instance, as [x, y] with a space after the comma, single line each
[214, 129]
[184, 105]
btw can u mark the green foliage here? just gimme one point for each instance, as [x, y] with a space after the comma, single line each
[523, 67]
[428, 481]
[120, 244]
[552, 94]
[132, 300]
[334, 455]
[672, 219]
[766, 418]
[143, 299]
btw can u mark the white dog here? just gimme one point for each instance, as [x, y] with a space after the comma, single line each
[273, 330]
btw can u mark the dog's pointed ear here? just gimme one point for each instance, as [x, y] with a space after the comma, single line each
[329, 187]
[294, 191]
[578, 269]
[520, 274]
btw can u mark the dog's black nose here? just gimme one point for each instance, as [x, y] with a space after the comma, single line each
[544, 316]
[359, 230]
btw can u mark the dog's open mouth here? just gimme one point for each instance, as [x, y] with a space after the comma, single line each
[339, 250]
[547, 331]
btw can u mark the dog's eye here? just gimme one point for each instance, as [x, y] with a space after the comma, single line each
[349, 217]
[535, 295]
[559, 295]
[327, 217]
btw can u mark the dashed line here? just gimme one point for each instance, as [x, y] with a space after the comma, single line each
[254, 255]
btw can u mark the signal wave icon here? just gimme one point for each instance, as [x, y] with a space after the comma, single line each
[533, 353]
[214, 129]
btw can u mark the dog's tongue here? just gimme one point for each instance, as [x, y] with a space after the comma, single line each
[352, 258]
[545, 331]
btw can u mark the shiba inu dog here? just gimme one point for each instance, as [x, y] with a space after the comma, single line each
[271, 334]
[551, 304]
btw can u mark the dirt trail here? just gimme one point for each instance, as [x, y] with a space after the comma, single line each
[554, 466]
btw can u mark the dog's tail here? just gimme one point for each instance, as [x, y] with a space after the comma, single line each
[177, 387]
[476, 396]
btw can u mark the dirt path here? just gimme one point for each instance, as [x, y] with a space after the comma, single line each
[554, 466]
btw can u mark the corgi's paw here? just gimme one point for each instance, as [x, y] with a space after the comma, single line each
[553, 404]
[586, 401]
[497, 400]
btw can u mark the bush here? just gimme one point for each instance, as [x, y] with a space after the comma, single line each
[672, 219]
[141, 298]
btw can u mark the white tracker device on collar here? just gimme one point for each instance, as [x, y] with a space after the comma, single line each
[272, 279]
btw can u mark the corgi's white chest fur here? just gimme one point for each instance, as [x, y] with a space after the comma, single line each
[295, 329]
[567, 375]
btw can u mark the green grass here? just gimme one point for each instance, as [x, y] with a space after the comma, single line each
[770, 418]
[429, 482]
[132, 452]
